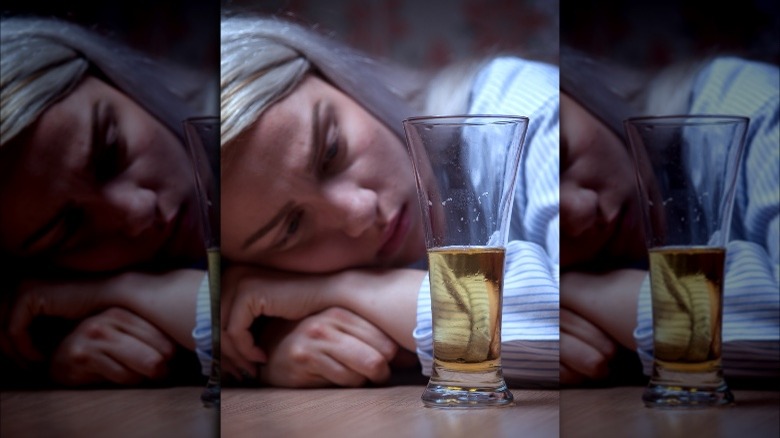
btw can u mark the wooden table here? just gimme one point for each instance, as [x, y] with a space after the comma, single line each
[395, 411]
[115, 413]
[619, 412]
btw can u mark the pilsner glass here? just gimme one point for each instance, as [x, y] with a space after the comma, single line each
[686, 170]
[465, 168]
[202, 134]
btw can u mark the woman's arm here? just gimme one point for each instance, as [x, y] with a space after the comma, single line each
[385, 298]
[166, 300]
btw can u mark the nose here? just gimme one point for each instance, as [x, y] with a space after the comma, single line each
[128, 208]
[353, 208]
[579, 210]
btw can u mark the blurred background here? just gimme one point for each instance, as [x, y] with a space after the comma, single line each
[427, 33]
[648, 34]
[182, 31]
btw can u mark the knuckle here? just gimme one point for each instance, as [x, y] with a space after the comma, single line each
[593, 365]
[300, 355]
[316, 330]
[94, 329]
[79, 355]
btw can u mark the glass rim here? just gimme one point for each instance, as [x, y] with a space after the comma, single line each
[450, 119]
[686, 119]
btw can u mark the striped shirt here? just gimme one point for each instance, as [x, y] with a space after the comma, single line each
[202, 331]
[751, 303]
[529, 330]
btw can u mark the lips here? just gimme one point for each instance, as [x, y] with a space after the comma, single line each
[395, 233]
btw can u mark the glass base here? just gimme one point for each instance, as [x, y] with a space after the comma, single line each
[211, 395]
[666, 396]
[441, 396]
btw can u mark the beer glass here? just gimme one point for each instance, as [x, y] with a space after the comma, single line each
[202, 138]
[465, 168]
[686, 169]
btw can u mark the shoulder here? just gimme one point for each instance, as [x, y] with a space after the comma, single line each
[514, 85]
[508, 70]
[735, 85]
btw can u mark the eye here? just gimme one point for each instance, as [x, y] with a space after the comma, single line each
[293, 226]
[110, 158]
[332, 148]
[330, 155]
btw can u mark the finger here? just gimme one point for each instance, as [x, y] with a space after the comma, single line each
[570, 377]
[581, 357]
[142, 330]
[78, 364]
[107, 337]
[325, 367]
[18, 328]
[358, 327]
[237, 330]
[136, 356]
[581, 328]
[359, 357]
[242, 366]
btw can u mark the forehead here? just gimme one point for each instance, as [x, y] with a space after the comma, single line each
[42, 167]
[280, 135]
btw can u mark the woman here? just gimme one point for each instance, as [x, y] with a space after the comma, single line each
[320, 216]
[600, 218]
[99, 218]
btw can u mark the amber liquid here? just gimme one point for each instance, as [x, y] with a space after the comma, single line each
[466, 294]
[687, 293]
[211, 395]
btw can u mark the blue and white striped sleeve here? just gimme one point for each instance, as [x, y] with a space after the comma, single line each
[530, 325]
[202, 331]
[751, 303]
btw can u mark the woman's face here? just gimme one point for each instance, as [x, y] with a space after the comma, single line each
[600, 222]
[318, 184]
[98, 184]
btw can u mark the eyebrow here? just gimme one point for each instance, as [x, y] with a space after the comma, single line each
[316, 135]
[262, 231]
[63, 212]
[94, 151]
[314, 156]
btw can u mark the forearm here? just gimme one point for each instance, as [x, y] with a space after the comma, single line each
[387, 298]
[167, 300]
[608, 300]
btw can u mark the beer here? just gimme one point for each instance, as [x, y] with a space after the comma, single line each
[687, 293]
[466, 294]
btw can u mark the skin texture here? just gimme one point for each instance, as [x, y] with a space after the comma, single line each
[98, 196]
[600, 233]
[97, 184]
[600, 222]
[127, 325]
[353, 205]
[387, 309]
[342, 185]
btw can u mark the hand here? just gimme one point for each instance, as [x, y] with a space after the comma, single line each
[333, 347]
[250, 292]
[385, 298]
[606, 300]
[586, 351]
[70, 300]
[165, 299]
[113, 346]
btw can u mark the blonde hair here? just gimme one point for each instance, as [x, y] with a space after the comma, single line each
[264, 58]
[43, 59]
